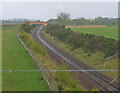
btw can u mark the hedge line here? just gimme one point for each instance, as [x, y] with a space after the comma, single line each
[27, 38]
[90, 43]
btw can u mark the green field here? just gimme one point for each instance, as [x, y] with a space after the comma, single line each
[15, 58]
[108, 32]
[95, 60]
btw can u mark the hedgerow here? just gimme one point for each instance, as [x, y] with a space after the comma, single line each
[27, 38]
[88, 42]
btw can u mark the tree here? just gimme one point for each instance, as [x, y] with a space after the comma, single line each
[63, 16]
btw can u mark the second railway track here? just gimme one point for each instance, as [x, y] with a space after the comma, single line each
[92, 75]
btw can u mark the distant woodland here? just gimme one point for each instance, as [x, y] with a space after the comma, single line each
[64, 19]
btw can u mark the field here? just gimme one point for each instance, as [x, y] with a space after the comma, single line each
[108, 32]
[95, 60]
[0, 58]
[15, 57]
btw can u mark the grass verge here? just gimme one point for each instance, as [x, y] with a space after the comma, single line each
[0, 57]
[59, 79]
[95, 60]
[15, 57]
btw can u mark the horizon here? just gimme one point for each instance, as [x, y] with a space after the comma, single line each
[54, 18]
[50, 10]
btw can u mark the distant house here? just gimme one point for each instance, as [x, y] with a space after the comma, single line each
[38, 23]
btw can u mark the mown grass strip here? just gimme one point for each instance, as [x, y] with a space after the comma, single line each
[15, 57]
[0, 58]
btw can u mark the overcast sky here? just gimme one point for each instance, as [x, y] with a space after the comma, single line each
[45, 11]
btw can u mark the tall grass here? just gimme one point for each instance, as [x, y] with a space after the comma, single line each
[68, 80]
[27, 38]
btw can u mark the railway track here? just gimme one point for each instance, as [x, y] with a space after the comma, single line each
[92, 75]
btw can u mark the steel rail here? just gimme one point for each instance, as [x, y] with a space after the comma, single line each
[95, 77]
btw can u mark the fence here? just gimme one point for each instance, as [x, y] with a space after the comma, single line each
[46, 74]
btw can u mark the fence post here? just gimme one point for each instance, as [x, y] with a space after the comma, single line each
[45, 74]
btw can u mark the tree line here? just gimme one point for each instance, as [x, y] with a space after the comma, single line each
[27, 28]
[64, 19]
[88, 42]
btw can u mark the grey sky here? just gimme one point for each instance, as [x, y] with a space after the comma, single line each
[45, 11]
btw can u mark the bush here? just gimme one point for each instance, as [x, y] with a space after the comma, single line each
[88, 42]
[31, 43]
[60, 87]
[27, 28]
[68, 80]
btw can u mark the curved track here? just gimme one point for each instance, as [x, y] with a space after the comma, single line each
[92, 75]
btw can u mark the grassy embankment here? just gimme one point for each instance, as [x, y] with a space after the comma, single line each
[108, 32]
[0, 58]
[15, 57]
[95, 60]
[62, 80]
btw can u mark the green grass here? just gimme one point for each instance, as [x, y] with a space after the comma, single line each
[0, 58]
[95, 60]
[108, 32]
[15, 58]
[68, 80]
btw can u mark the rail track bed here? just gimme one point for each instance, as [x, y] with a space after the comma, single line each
[95, 76]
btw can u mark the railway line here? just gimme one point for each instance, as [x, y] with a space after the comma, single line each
[75, 63]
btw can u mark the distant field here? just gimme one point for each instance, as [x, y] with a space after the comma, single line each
[15, 58]
[108, 32]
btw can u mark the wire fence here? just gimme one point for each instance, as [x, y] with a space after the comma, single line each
[46, 74]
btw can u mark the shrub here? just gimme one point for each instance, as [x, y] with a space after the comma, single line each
[31, 43]
[88, 42]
